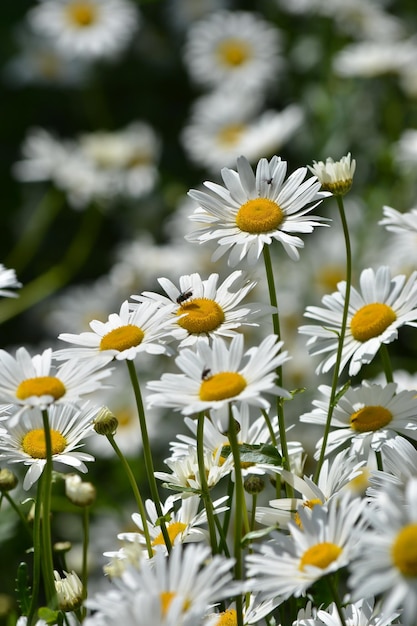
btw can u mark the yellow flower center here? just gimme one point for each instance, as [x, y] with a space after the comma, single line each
[173, 530]
[371, 320]
[202, 315]
[227, 618]
[234, 52]
[137, 159]
[404, 550]
[41, 386]
[81, 14]
[125, 417]
[320, 555]
[329, 276]
[122, 338]
[222, 386]
[370, 418]
[260, 215]
[230, 135]
[308, 504]
[33, 443]
[166, 599]
[360, 483]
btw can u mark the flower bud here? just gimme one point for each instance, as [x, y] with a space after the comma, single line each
[78, 492]
[8, 480]
[69, 591]
[335, 176]
[254, 484]
[106, 422]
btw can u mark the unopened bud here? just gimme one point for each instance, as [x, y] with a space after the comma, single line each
[8, 480]
[106, 422]
[254, 484]
[62, 546]
[69, 591]
[78, 492]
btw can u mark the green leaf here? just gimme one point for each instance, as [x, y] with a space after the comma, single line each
[48, 615]
[341, 393]
[23, 589]
[257, 534]
[165, 518]
[256, 453]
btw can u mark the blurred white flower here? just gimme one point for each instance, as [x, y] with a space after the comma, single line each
[89, 29]
[235, 49]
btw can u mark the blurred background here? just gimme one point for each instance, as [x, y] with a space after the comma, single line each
[113, 109]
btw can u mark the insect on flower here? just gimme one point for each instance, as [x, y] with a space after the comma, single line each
[205, 374]
[185, 295]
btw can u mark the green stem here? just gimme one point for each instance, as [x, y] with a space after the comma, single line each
[84, 569]
[239, 505]
[341, 336]
[336, 600]
[135, 490]
[204, 486]
[379, 462]
[277, 331]
[386, 362]
[47, 558]
[35, 228]
[222, 539]
[147, 453]
[58, 275]
[274, 443]
[227, 515]
[14, 506]
[270, 428]
[253, 519]
[37, 551]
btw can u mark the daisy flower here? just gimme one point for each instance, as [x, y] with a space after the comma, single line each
[204, 309]
[335, 176]
[215, 376]
[123, 336]
[253, 433]
[183, 526]
[375, 314]
[233, 48]
[8, 281]
[227, 123]
[401, 246]
[365, 417]
[399, 460]
[107, 165]
[24, 441]
[27, 381]
[43, 157]
[397, 222]
[364, 612]
[169, 592]
[87, 29]
[185, 474]
[288, 565]
[333, 478]
[386, 562]
[374, 58]
[69, 590]
[253, 209]
[39, 63]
